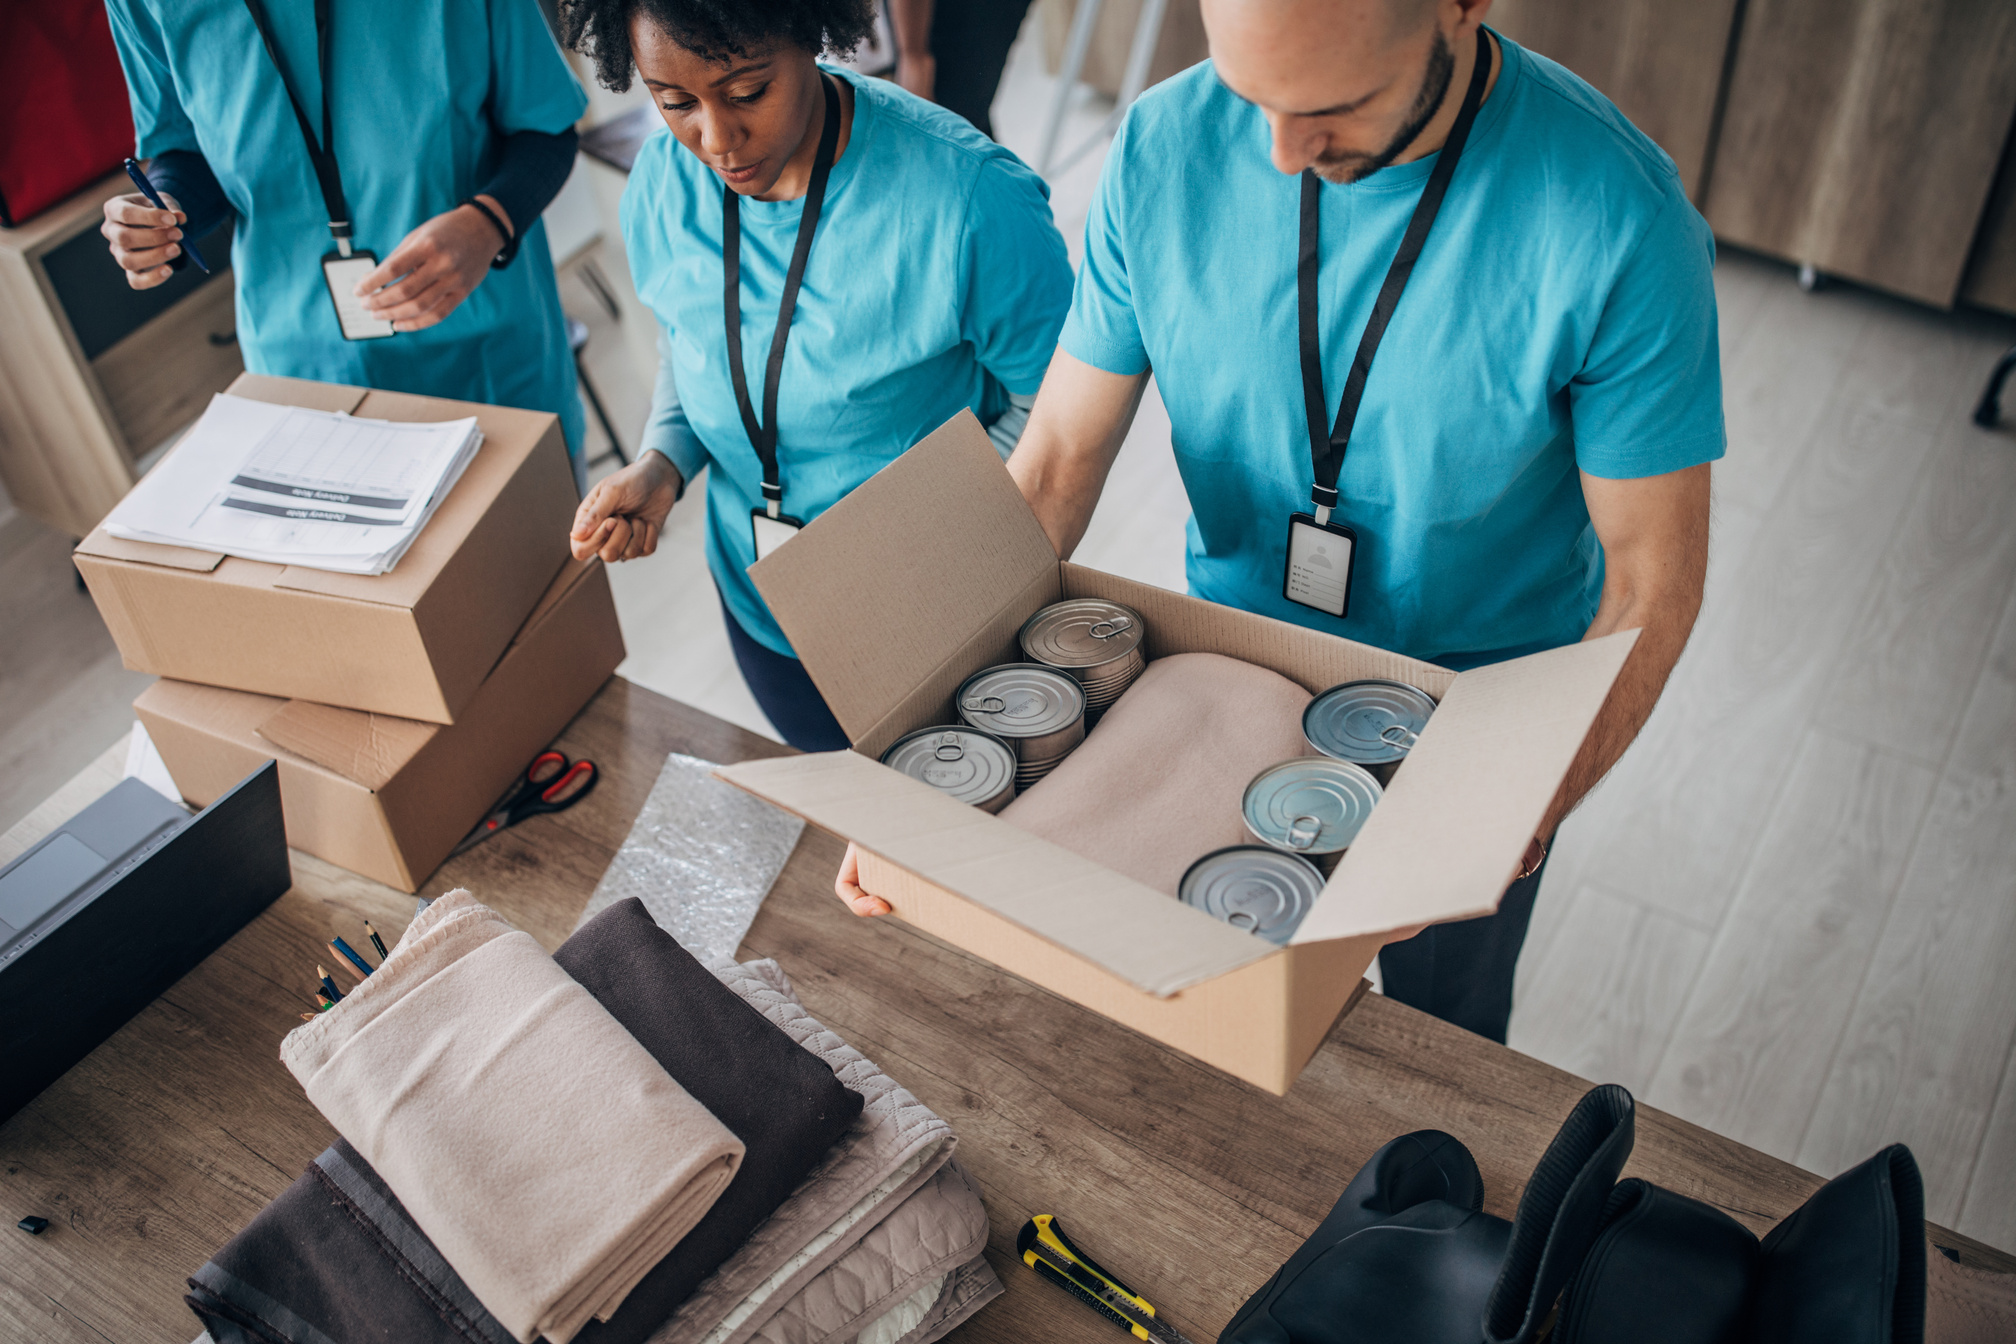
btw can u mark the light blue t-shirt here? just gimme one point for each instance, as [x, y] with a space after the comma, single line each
[937, 282]
[1562, 315]
[422, 93]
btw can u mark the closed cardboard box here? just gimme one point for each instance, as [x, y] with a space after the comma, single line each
[390, 797]
[415, 642]
[925, 574]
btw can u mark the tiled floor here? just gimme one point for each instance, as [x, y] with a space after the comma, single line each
[1790, 914]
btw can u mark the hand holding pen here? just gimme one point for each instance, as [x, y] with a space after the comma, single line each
[145, 230]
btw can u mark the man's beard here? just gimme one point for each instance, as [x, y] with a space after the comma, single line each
[1351, 166]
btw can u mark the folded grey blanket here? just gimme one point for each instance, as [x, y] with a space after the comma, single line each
[894, 1148]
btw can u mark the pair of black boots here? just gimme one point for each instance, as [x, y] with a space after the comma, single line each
[1408, 1256]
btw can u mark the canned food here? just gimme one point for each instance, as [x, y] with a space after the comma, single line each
[1367, 722]
[972, 766]
[1038, 711]
[1311, 805]
[1252, 887]
[1096, 642]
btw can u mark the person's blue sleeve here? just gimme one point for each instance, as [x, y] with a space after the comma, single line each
[1648, 399]
[159, 122]
[1102, 329]
[1018, 276]
[531, 88]
[667, 431]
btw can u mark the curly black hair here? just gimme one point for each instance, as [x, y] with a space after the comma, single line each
[718, 30]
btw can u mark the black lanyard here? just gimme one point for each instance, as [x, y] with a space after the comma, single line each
[763, 436]
[1327, 452]
[322, 154]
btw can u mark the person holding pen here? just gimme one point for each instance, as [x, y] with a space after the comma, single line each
[838, 268]
[385, 163]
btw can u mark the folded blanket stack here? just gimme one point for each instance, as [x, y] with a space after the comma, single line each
[845, 1223]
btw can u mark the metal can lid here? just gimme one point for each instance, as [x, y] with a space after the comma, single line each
[1251, 887]
[1370, 722]
[1020, 700]
[972, 766]
[1082, 632]
[1310, 805]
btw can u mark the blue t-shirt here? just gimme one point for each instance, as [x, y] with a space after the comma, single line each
[422, 92]
[1562, 315]
[937, 281]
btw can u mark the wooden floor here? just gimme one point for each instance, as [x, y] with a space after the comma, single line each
[1789, 916]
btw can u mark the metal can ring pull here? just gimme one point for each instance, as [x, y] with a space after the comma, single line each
[986, 704]
[1119, 625]
[1300, 839]
[948, 748]
[1406, 739]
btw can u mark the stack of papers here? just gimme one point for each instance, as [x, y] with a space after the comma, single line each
[292, 486]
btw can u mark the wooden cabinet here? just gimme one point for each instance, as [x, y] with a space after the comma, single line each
[1659, 61]
[93, 375]
[1863, 137]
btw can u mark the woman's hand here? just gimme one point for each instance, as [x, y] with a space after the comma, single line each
[437, 266]
[847, 886]
[625, 511]
[144, 240]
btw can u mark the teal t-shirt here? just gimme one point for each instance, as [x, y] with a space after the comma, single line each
[1561, 316]
[422, 93]
[937, 282]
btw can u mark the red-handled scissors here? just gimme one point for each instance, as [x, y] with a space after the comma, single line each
[552, 783]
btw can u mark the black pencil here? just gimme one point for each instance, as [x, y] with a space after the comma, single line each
[376, 941]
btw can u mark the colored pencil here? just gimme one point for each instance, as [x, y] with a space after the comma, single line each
[307, 1017]
[376, 941]
[329, 986]
[356, 958]
[344, 962]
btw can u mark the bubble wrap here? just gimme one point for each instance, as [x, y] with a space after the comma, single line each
[701, 856]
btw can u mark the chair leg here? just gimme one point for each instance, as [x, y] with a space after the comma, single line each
[601, 416]
[598, 284]
[1989, 411]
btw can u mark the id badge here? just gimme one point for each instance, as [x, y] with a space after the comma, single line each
[1320, 556]
[772, 532]
[341, 274]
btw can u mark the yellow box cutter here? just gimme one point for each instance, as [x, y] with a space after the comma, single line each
[1045, 1249]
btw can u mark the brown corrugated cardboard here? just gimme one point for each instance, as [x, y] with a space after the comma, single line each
[924, 575]
[416, 642]
[389, 797]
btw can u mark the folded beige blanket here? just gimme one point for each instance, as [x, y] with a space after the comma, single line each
[1158, 783]
[547, 1156]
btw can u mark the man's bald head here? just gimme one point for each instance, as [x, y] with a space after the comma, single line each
[1346, 85]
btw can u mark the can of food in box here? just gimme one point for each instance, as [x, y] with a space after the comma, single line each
[1311, 805]
[972, 766]
[1038, 711]
[1252, 887]
[1096, 642]
[1370, 723]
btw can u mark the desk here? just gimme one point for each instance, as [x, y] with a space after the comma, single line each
[171, 1135]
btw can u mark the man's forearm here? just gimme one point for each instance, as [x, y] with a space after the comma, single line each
[1081, 418]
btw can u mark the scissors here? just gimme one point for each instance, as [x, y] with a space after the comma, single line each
[552, 783]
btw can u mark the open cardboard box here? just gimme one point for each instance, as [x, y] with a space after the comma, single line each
[415, 642]
[390, 797]
[925, 574]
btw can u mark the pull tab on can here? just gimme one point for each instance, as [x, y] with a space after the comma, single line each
[948, 748]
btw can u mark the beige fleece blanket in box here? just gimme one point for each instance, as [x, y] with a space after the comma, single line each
[1158, 784]
[548, 1157]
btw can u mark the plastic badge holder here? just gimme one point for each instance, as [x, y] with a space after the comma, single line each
[701, 857]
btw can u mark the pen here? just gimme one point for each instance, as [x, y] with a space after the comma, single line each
[139, 177]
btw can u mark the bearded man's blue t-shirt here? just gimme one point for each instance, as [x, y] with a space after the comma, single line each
[1560, 320]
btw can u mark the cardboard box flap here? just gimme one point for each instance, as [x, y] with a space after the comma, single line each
[1450, 832]
[106, 546]
[368, 748]
[279, 391]
[943, 526]
[1139, 934]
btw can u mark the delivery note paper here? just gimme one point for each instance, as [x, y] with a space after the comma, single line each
[701, 857]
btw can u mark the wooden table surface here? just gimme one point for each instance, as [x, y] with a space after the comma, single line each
[1191, 1185]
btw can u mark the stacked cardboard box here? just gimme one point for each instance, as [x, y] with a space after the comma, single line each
[400, 706]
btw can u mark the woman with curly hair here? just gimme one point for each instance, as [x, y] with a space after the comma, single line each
[914, 263]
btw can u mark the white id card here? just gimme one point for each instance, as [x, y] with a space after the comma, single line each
[1319, 564]
[772, 532]
[341, 274]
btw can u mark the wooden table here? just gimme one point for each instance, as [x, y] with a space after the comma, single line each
[1193, 1186]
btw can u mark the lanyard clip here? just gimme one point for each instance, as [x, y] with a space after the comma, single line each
[1325, 499]
[339, 229]
[773, 498]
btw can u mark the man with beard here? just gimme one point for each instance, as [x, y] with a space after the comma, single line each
[1374, 226]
